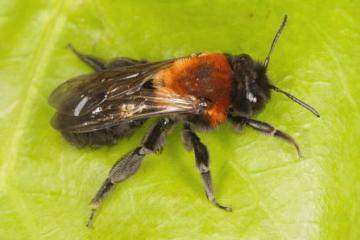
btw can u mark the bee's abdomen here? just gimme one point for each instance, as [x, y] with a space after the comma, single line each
[107, 136]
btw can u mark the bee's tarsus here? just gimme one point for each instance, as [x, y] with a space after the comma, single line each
[267, 129]
[225, 208]
[91, 218]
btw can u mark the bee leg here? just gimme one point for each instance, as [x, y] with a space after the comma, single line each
[93, 62]
[123, 62]
[129, 164]
[268, 129]
[192, 141]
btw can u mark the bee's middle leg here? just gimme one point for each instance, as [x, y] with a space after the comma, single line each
[192, 141]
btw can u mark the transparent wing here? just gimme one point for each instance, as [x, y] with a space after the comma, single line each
[140, 105]
[81, 95]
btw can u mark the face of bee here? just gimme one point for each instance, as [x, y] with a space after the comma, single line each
[250, 87]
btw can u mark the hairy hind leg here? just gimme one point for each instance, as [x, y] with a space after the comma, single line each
[123, 62]
[92, 61]
[99, 65]
[130, 163]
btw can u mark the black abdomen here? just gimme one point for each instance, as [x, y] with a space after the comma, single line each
[107, 136]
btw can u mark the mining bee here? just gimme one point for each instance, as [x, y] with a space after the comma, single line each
[201, 91]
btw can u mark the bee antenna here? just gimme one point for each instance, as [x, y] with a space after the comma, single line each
[276, 38]
[295, 99]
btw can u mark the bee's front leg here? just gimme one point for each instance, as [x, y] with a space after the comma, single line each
[269, 130]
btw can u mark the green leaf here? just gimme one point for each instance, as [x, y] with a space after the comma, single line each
[46, 184]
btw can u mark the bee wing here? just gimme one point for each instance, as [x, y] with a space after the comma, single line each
[82, 94]
[140, 105]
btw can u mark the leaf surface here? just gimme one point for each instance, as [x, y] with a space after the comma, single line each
[46, 184]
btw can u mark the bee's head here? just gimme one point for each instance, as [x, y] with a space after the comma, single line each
[251, 88]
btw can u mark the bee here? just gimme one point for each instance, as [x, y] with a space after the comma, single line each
[201, 91]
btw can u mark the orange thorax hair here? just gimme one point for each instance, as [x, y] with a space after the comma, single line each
[204, 76]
